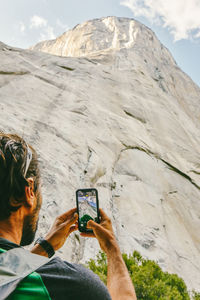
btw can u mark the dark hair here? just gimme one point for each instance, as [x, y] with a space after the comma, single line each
[13, 159]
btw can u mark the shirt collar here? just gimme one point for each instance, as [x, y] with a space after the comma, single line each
[7, 245]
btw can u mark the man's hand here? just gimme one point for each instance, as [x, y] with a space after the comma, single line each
[103, 232]
[60, 230]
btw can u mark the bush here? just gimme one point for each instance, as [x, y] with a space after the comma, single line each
[150, 282]
[195, 295]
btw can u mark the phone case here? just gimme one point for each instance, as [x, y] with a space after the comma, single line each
[80, 226]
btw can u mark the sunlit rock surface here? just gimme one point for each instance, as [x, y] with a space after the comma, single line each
[118, 115]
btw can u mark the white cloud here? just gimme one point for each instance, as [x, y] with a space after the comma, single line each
[38, 22]
[181, 17]
[22, 27]
[61, 25]
[198, 34]
[47, 34]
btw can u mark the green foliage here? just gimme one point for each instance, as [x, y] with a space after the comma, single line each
[99, 266]
[195, 295]
[150, 282]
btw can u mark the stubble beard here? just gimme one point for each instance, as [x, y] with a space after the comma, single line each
[29, 230]
[30, 225]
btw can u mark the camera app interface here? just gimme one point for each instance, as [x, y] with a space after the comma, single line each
[87, 207]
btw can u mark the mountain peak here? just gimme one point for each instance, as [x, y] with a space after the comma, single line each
[104, 35]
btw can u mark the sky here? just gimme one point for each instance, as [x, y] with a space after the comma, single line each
[176, 23]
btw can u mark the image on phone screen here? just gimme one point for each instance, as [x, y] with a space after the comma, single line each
[87, 207]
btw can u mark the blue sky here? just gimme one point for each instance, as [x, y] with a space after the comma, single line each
[175, 22]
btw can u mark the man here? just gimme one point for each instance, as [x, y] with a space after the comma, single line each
[20, 202]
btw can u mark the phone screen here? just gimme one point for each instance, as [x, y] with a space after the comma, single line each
[88, 208]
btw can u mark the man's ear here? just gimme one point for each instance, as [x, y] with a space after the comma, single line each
[29, 192]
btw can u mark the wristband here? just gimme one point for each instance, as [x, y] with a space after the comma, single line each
[46, 246]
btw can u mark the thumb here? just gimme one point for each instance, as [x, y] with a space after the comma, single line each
[91, 224]
[95, 226]
[73, 219]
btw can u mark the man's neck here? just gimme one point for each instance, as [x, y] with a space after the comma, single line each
[11, 229]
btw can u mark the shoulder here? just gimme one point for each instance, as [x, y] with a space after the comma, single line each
[61, 278]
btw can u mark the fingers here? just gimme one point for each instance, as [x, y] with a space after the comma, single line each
[67, 214]
[75, 215]
[97, 228]
[91, 224]
[73, 228]
[103, 214]
[89, 234]
[64, 217]
[73, 219]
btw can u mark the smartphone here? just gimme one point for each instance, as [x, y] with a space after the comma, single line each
[87, 207]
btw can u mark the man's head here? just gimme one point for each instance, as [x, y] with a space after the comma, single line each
[19, 184]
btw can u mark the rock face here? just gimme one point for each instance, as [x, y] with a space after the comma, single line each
[118, 115]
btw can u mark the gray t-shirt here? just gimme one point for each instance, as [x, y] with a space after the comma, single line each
[67, 281]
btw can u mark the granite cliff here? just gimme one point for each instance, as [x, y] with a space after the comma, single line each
[108, 107]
